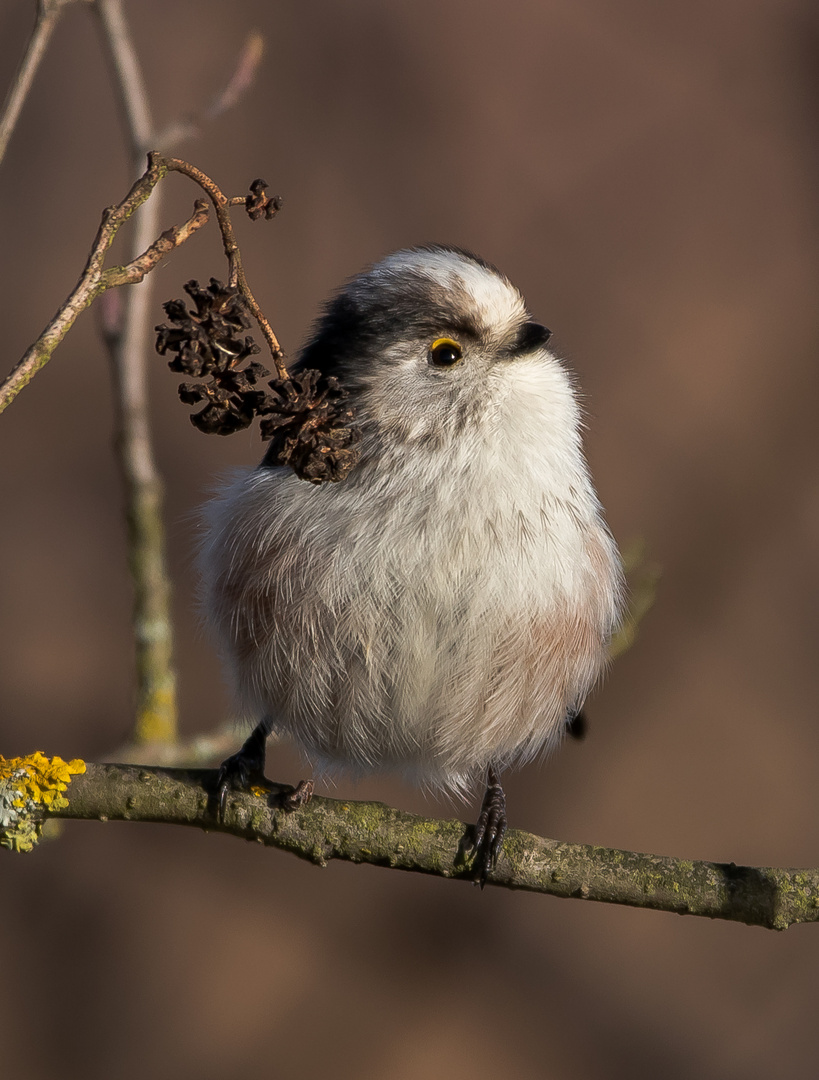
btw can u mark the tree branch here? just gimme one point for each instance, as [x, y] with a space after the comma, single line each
[48, 12]
[134, 271]
[236, 276]
[369, 832]
[128, 341]
[243, 77]
[127, 338]
[93, 280]
[129, 85]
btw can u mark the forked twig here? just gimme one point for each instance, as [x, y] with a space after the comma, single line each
[95, 279]
[236, 275]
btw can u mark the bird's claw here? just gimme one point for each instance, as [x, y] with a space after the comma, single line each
[236, 772]
[489, 831]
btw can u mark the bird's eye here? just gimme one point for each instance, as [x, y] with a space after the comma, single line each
[444, 352]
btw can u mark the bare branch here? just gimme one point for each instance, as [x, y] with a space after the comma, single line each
[88, 287]
[242, 78]
[198, 751]
[129, 84]
[368, 832]
[128, 347]
[136, 270]
[237, 276]
[48, 13]
[95, 280]
[237, 86]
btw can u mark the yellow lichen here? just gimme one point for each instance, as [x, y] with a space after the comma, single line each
[28, 786]
[156, 722]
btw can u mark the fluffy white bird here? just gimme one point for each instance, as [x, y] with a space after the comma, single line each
[444, 610]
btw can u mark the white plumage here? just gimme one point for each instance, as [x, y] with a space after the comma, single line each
[448, 605]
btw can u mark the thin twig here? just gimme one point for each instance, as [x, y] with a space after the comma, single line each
[129, 347]
[94, 279]
[197, 752]
[133, 272]
[242, 78]
[88, 287]
[367, 832]
[236, 276]
[48, 13]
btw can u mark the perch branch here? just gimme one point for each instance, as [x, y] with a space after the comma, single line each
[367, 832]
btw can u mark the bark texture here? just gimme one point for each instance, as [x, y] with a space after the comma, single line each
[369, 832]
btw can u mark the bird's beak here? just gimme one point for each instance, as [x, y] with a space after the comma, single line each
[531, 336]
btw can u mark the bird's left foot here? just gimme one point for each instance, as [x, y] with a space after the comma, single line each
[490, 830]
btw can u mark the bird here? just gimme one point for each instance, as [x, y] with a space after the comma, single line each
[443, 612]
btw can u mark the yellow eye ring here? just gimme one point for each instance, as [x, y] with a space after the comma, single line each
[444, 352]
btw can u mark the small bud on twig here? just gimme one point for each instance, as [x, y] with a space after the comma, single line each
[260, 204]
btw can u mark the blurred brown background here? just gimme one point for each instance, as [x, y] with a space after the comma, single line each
[647, 173]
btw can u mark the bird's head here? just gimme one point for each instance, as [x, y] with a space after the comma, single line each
[429, 341]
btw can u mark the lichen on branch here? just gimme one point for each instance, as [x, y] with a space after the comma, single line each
[30, 788]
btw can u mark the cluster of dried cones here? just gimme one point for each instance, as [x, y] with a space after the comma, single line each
[305, 416]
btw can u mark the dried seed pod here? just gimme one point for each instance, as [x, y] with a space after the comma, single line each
[260, 204]
[310, 427]
[207, 343]
[306, 417]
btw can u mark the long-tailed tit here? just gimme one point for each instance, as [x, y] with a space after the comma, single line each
[444, 611]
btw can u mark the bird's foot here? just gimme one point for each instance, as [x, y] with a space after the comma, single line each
[489, 830]
[236, 772]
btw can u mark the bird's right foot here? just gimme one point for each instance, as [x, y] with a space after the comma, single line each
[237, 771]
